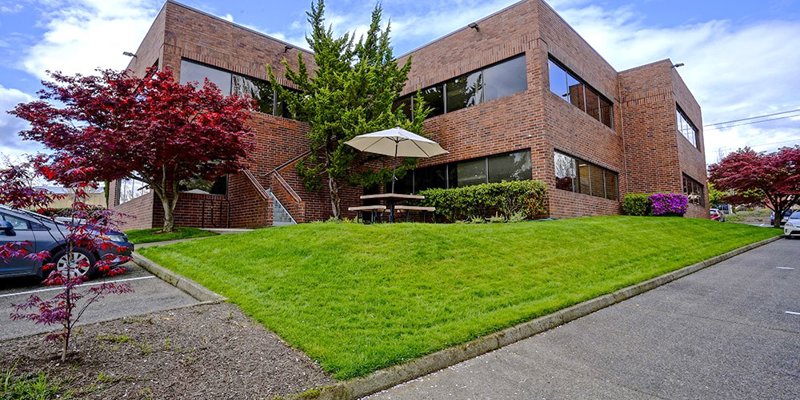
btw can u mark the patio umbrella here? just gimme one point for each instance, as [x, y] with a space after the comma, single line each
[396, 142]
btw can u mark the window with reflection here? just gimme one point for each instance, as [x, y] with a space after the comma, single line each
[230, 83]
[686, 127]
[505, 79]
[471, 172]
[194, 72]
[464, 91]
[514, 166]
[580, 176]
[566, 172]
[510, 167]
[694, 190]
[493, 82]
[572, 89]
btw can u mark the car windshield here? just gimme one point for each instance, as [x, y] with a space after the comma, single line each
[796, 215]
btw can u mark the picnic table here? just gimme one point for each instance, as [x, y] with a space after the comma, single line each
[391, 200]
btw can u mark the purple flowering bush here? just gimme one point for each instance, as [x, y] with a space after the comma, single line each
[669, 204]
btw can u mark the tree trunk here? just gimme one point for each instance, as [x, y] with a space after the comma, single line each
[169, 214]
[333, 186]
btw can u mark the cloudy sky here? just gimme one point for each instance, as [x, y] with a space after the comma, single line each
[742, 57]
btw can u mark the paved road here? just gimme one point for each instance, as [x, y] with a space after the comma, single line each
[150, 295]
[728, 332]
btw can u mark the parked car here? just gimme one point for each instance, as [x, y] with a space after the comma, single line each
[716, 215]
[792, 227]
[43, 234]
[786, 215]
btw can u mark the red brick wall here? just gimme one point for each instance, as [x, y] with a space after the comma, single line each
[211, 40]
[651, 137]
[196, 210]
[248, 208]
[137, 213]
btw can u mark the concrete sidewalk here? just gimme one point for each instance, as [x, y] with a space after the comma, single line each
[728, 332]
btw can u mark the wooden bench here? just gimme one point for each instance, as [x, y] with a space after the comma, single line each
[408, 209]
[373, 210]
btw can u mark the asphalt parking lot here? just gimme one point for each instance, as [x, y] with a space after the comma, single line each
[731, 331]
[150, 295]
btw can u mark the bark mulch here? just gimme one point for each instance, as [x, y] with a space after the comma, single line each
[201, 352]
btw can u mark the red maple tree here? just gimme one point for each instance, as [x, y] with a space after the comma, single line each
[751, 176]
[152, 129]
[85, 230]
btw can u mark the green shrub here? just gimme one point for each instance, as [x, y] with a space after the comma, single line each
[505, 199]
[637, 204]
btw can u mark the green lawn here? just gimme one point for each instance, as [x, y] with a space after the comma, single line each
[358, 298]
[139, 236]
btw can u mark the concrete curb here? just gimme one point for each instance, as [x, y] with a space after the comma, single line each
[393, 376]
[189, 286]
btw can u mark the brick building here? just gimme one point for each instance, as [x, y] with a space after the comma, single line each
[516, 95]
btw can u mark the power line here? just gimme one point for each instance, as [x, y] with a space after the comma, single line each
[750, 118]
[753, 122]
[796, 140]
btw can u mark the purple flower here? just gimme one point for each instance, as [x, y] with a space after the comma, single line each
[669, 204]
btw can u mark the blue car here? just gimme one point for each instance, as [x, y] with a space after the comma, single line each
[43, 234]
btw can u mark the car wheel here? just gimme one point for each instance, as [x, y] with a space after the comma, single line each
[82, 263]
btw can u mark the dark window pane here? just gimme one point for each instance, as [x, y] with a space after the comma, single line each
[405, 104]
[193, 72]
[505, 79]
[403, 185]
[607, 113]
[452, 176]
[576, 93]
[558, 80]
[592, 103]
[584, 177]
[220, 185]
[510, 167]
[566, 172]
[471, 172]
[611, 185]
[464, 91]
[431, 177]
[598, 183]
[434, 100]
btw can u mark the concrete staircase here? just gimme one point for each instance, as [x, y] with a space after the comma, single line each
[280, 217]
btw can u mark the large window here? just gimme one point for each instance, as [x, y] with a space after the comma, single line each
[130, 189]
[514, 166]
[499, 80]
[686, 127]
[580, 176]
[694, 190]
[231, 83]
[575, 91]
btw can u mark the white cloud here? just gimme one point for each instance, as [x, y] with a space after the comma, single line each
[81, 35]
[10, 142]
[734, 70]
[10, 8]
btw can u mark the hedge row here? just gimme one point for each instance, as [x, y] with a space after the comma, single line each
[507, 199]
[659, 204]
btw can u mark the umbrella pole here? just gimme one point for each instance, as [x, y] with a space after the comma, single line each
[394, 178]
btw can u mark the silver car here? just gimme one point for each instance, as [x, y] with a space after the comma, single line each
[792, 227]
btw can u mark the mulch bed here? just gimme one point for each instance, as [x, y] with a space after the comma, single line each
[201, 352]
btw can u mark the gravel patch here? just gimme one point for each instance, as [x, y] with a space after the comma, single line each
[201, 352]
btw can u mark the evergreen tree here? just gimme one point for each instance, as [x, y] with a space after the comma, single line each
[351, 92]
